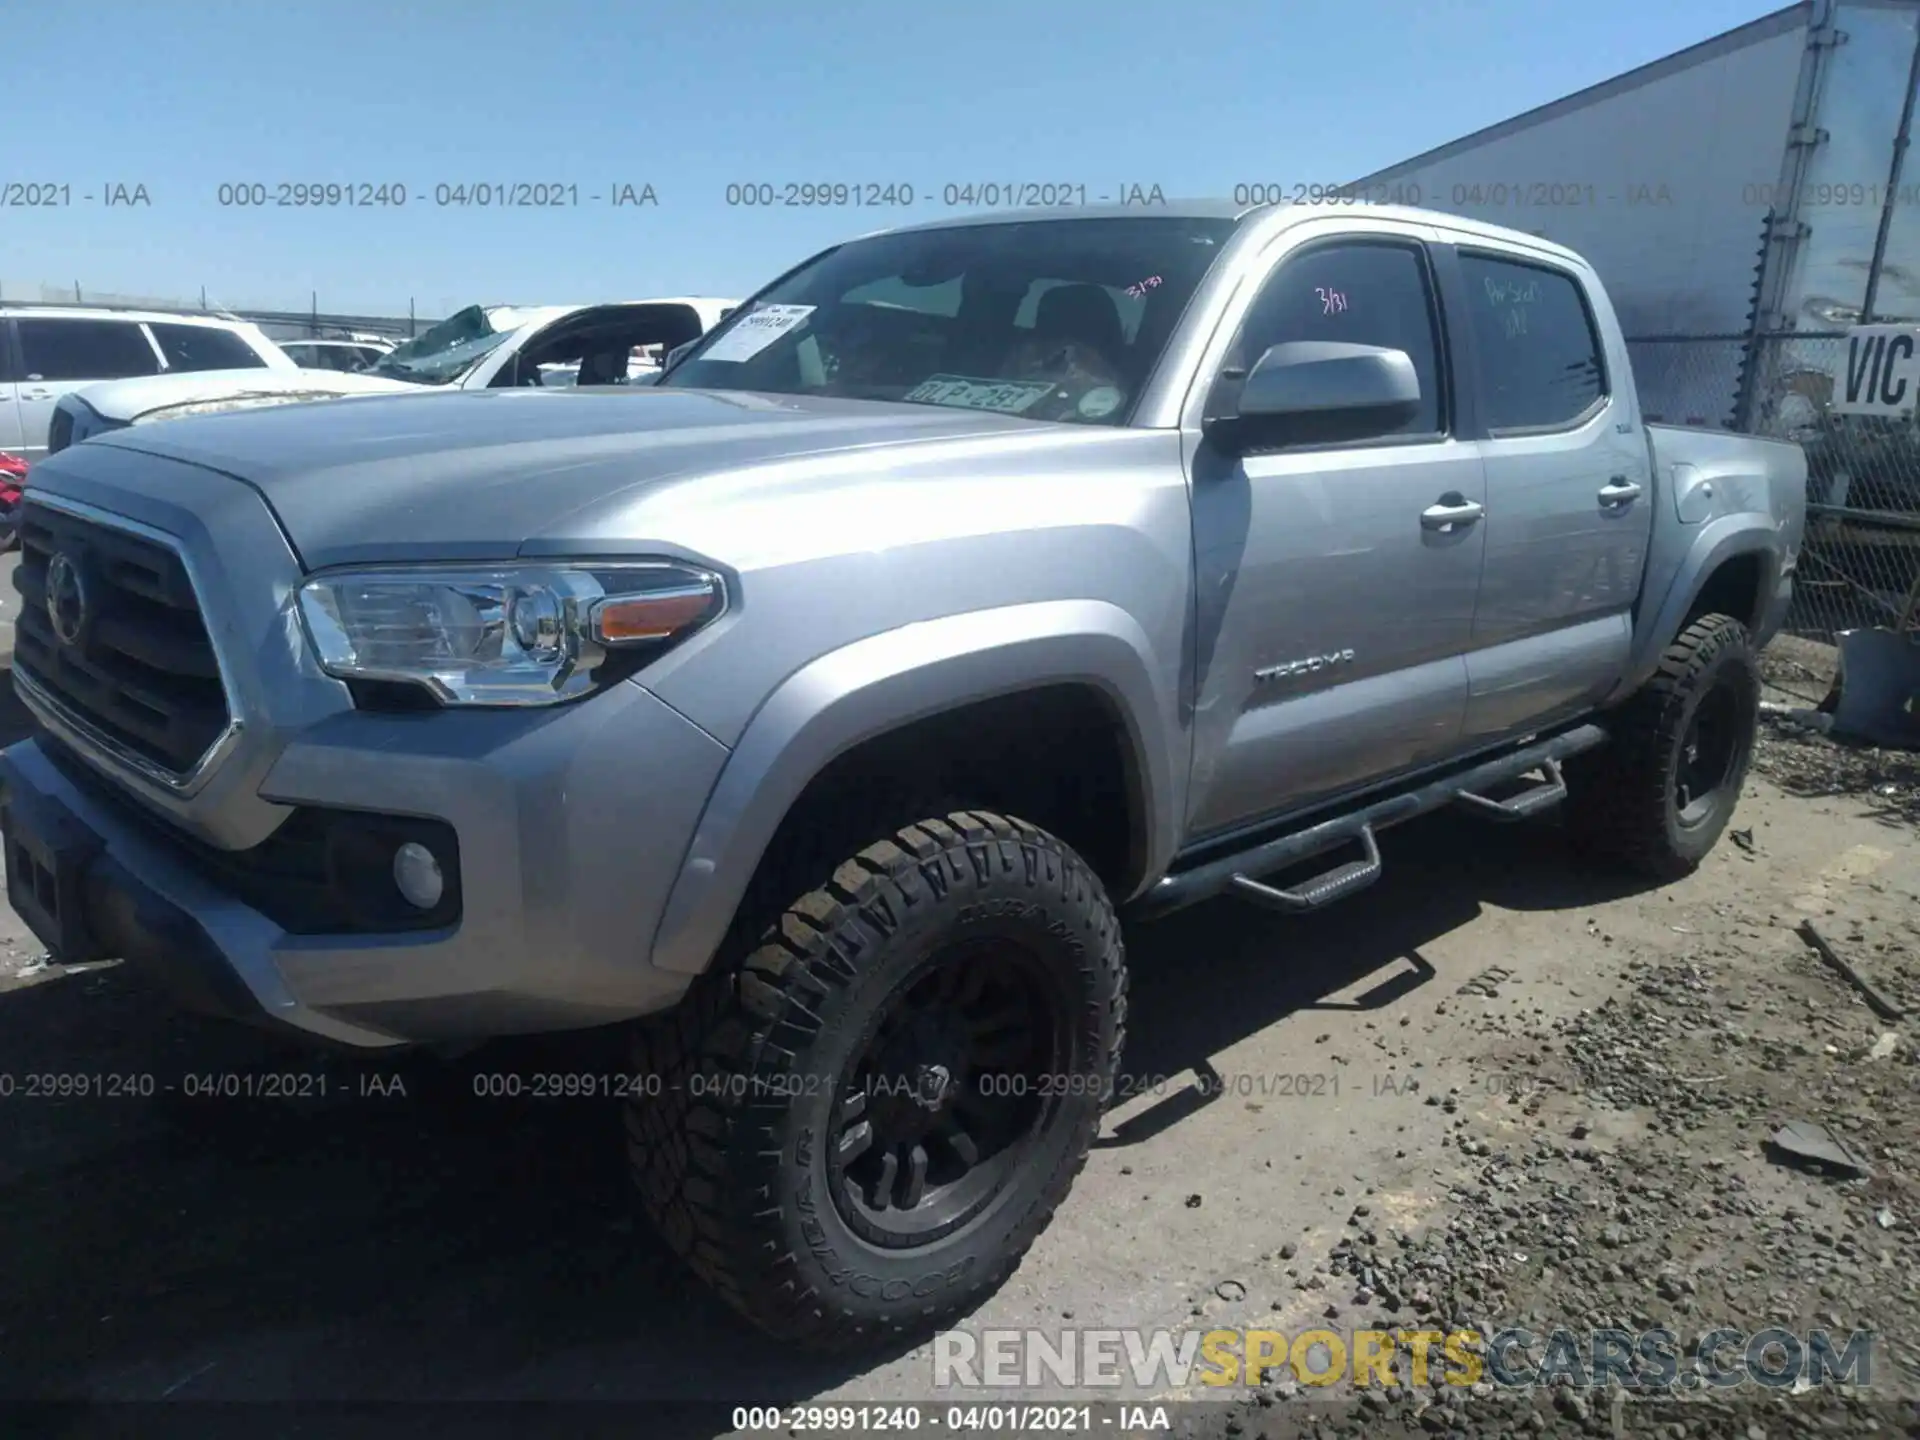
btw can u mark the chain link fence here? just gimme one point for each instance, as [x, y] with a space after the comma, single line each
[1862, 554]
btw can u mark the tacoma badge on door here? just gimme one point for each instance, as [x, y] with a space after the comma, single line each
[1306, 665]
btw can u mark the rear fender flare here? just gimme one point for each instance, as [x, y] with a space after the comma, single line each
[1718, 541]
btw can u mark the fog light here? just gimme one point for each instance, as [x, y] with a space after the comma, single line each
[418, 875]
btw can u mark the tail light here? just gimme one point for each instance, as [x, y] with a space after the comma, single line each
[13, 479]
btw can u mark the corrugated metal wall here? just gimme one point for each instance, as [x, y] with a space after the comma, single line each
[1659, 177]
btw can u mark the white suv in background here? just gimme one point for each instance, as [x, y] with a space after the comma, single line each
[48, 350]
[483, 347]
[348, 355]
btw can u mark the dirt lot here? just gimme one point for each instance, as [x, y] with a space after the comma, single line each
[1535, 1097]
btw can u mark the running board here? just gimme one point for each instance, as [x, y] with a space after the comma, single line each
[1526, 804]
[1237, 872]
[1323, 889]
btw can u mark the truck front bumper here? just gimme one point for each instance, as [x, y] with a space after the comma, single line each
[569, 827]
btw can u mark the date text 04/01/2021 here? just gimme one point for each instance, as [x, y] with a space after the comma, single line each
[198, 1085]
[972, 195]
[463, 195]
[1004, 1419]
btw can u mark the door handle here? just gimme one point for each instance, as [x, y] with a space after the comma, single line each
[1453, 509]
[1618, 493]
[36, 394]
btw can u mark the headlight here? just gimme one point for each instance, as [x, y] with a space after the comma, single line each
[505, 634]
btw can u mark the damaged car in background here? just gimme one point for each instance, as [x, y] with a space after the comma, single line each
[479, 348]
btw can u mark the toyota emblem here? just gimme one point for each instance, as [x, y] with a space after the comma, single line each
[67, 601]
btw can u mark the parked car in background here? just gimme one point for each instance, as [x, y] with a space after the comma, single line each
[48, 351]
[480, 348]
[13, 479]
[347, 355]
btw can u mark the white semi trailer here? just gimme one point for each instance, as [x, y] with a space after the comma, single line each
[1747, 186]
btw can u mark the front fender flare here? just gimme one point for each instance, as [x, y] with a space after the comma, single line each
[875, 685]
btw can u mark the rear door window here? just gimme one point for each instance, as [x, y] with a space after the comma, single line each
[85, 349]
[1537, 354]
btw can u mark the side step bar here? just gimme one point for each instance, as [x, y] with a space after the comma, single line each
[1235, 873]
[1526, 804]
[1324, 889]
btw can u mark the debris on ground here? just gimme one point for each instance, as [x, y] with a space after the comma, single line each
[1806, 1143]
[1792, 752]
[1879, 676]
[34, 965]
[1879, 1003]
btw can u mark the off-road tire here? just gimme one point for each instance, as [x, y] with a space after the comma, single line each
[728, 1146]
[1623, 806]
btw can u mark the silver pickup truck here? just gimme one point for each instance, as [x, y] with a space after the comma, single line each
[818, 711]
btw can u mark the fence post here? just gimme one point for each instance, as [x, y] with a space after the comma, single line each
[1902, 138]
[1747, 384]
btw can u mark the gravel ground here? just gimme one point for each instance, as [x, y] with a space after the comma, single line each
[1623, 1179]
[1625, 1186]
[1598, 1069]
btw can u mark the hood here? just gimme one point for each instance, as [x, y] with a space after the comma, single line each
[482, 474]
[128, 402]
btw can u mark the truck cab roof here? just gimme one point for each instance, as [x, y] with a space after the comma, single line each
[1270, 219]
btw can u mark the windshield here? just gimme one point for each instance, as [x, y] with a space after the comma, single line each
[443, 353]
[1048, 319]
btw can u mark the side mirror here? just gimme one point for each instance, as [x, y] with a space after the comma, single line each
[1315, 392]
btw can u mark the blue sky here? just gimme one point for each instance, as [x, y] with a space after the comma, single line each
[183, 96]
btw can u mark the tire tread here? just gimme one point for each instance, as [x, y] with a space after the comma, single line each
[1619, 805]
[750, 1018]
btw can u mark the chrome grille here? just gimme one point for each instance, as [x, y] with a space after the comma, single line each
[136, 667]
